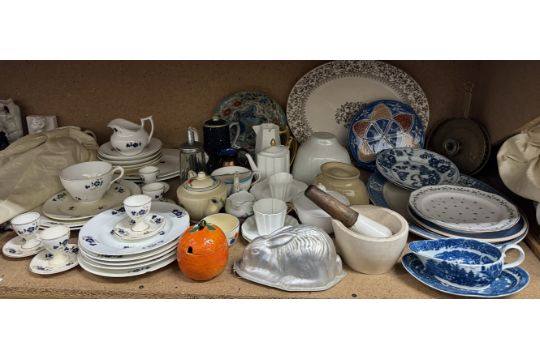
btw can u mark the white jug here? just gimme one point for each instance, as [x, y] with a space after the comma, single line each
[129, 138]
[265, 134]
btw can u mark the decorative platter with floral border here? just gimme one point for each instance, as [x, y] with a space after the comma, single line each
[326, 98]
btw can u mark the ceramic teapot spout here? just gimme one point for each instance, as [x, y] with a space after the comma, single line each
[214, 206]
[252, 164]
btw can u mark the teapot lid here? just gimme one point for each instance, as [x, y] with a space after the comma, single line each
[201, 182]
[215, 122]
[274, 150]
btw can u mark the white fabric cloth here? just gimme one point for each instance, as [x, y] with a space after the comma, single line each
[29, 167]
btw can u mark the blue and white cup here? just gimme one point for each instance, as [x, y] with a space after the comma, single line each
[26, 226]
[55, 240]
[137, 208]
[89, 181]
[154, 190]
[464, 263]
[149, 174]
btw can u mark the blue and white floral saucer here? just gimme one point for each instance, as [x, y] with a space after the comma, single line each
[14, 248]
[415, 168]
[511, 281]
[41, 263]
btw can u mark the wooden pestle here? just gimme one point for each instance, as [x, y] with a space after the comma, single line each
[350, 218]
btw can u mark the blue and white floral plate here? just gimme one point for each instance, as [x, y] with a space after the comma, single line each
[128, 265]
[250, 108]
[464, 209]
[96, 235]
[415, 168]
[130, 259]
[384, 193]
[62, 207]
[124, 230]
[13, 248]
[132, 271]
[381, 125]
[41, 264]
[511, 280]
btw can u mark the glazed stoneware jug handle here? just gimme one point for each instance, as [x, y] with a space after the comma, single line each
[115, 169]
[149, 118]
[518, 261]
[236, 134]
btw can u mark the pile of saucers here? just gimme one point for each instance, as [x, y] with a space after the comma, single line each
[167, 160]
[120, 243]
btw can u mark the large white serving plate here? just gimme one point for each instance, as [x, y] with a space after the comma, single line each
[122, 266]
[326, 98]
[464, 209]
[62, 207]
[106, 151]
[133, 258]
[135, 271]
[168, 165]
[96, 235]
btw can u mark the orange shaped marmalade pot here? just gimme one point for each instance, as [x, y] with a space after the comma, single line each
[203, 251]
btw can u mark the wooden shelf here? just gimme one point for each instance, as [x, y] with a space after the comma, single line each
[16, 281]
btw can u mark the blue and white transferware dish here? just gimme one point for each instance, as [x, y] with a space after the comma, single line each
[327, 97]
[464, 209]
[97, 237]
[250, 108]
[464, 263]
[381, 125]
[384, 193]
[13, 248]
[124, 228]
[511, 281]
[415, 168]
[119, 260]
[41, 263]
[62, 207]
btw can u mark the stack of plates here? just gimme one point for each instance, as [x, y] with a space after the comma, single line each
[472, 210]
[166, 160]
[102, 253]
[62, 209]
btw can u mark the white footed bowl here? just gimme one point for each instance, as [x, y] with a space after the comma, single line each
[371, 255]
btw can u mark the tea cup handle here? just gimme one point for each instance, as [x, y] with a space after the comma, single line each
[518, 261]
[257, 175]
[115, 169]
[236, 134]
[149, 118]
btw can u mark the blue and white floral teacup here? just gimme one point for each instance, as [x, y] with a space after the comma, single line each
[26, 226]
[55, 240]
[462, 262]
[89, 181]
[137, 208]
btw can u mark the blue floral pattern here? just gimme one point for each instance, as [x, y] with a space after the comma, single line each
[414, 168]
[94, 184]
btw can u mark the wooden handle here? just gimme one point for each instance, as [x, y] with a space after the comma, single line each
[332, 206]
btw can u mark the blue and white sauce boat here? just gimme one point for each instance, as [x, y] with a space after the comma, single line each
[464, 263]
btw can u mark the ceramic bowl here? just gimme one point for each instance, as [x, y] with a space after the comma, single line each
[89, 181]
[226, 174]
[229, 224]
[372, 255]
[240, 204]
[310, 214]
[464, 263]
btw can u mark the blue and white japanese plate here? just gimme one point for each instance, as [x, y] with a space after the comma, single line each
[97, 235]
[414, 168]
[381, 125]
[250, 108]
[384, 193]
[511, 280]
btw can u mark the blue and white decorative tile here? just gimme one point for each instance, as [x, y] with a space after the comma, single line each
[511, 281]
[381, 125]
[414, 168]
[41, 263]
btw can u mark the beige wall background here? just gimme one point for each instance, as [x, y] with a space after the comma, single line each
[184, 93]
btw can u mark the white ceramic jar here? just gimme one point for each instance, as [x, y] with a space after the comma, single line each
[320, 148]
